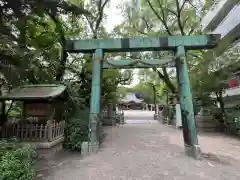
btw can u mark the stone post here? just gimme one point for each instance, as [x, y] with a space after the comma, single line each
[110, 120]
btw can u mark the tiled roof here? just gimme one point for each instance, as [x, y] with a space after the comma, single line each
[131, 97]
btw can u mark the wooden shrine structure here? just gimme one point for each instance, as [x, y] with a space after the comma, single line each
[41, 118]
[130, 101]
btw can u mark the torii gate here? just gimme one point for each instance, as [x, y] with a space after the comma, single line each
[177, 44]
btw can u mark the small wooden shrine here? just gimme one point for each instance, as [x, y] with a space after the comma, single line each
[42, 113]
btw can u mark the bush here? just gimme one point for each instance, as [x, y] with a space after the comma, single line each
[16, 162]
[234, 126]
[76, 131]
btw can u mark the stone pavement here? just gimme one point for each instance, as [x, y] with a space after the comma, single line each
[152, 151]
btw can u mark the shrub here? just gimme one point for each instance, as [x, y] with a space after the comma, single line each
[15, 161]
[76, 131]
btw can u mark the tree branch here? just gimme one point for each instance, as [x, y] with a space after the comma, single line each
[179, 10]
[67, 6]
[191, 4]
[164, 76]
[139, 31]
[90, 24]
[171, 11]
[183, 4]
[160, 75]
[191, 31]
[120, 81]
[160, 18]
[162, 11]
[63, 59]
[146, 23]
[100, 16]
[194, 55]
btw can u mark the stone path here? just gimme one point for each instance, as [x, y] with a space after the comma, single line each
[151, 151]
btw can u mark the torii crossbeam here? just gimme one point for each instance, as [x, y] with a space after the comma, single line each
[143, 43]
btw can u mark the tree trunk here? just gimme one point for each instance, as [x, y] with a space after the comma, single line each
[2, 115]
[63, 59]
[61, 69]
[168, 81]
[165, 78]
[169, 84]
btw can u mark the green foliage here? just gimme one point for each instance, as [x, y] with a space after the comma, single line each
[234, 127]
[237, 122]
[163, 18]
[76, 130]
[32, 42]
[16, 163]
[209, 74]
[162, 90]
[121, 92]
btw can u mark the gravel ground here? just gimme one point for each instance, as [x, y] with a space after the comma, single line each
[152, 151]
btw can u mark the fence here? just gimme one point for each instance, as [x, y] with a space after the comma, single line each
[34, 132]
[57, 131]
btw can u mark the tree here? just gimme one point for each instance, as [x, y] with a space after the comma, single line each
[33, 37]
[163, 18]
[209, 76]
[18, 34]
[36, 54]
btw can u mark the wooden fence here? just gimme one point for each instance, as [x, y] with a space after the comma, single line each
[57, 130]
[34, 132]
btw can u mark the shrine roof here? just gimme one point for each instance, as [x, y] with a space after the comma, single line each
[131, 97]
[35, 92]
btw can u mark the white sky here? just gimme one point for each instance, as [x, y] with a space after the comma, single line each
[114, 17]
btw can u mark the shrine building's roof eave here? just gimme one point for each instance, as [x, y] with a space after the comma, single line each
[131, 97]
[35, 92]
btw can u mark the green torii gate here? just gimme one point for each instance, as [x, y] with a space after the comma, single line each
[178, 44]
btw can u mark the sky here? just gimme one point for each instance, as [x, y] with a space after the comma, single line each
[114, 17]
